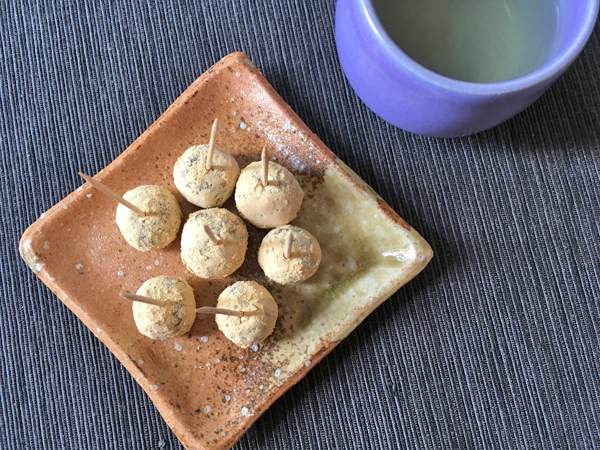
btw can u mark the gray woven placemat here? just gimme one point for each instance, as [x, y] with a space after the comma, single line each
[495, 345]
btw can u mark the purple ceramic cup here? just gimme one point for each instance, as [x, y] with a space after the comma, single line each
[416, 99]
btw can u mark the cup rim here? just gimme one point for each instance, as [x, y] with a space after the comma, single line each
[543, 73]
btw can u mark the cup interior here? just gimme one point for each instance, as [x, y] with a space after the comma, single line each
[540, 43]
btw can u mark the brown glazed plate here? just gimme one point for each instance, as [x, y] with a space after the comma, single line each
[208, 390]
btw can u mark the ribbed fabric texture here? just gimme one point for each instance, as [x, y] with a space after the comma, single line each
[495, 345]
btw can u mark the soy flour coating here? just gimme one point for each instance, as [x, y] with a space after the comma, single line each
[247, 296]
[208, 259]
[156, 230]
[174, 318]
[204, 187]
[302, 262]
[270, 206]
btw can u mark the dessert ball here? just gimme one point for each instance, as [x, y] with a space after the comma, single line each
[300, 264]
[247, 296]
[208, 259]
[204, 187]
[174, 318]
[272, 205]
[157, 229]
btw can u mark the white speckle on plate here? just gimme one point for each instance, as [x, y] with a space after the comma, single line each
[237, 73]
[277, 373]
[46, 245]
[178, 347]
[261, 387]
[245, 411]
[254, 348]
[242, 369]
[232, 100]
[89, 195]
[204, 339]
[148, 267]
[31, 258]
[288, 126]
[207, 409]
[120, 273]
[154, 387]
[141, 362]
[243, 125]
[79, 189]
[157, 262]
[65, 206]
[79, 267]
[307, 363]
[227, 397]
[42, 215]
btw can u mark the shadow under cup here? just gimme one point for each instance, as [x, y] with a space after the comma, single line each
[437, 92]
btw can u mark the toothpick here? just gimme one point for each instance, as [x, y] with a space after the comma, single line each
[211, 235]
[143, 299]
[106, 191]
[226, 312]
[265, 167]
[287, 249]
[211, 144]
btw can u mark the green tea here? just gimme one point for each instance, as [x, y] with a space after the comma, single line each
[473, 40]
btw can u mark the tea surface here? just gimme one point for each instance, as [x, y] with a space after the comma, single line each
[473, 40]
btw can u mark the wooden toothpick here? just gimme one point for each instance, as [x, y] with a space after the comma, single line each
[287, 248]
[211, 235]
[106, 191]
[143, 299]
[226, 312]
[265, 167]
[211, 144]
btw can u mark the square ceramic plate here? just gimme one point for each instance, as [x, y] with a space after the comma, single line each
[208, 390]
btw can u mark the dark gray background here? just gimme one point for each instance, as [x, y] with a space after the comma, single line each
[496, 344]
